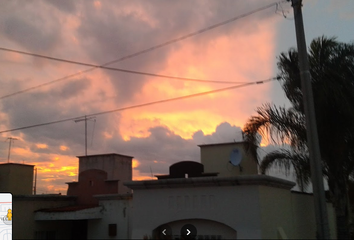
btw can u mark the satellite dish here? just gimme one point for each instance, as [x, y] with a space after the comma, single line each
[235, 157]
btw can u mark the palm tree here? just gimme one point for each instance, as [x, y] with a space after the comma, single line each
[332, 71]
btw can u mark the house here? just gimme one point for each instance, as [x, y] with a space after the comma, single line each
[216, 199]
[220, 197]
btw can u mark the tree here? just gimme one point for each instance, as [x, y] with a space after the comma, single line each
[332, 72]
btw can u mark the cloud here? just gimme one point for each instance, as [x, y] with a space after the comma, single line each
[154, 153]
[40, 35]
[65, 6]
[101, 31]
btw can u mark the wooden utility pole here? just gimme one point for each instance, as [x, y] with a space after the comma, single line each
[10, 141]
[311, 127]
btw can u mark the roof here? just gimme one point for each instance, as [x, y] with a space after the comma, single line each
[17, 164]
[115, 196]
[68, 208]
[218, 144]
[44, 197]
[211, 182]
[105, 154]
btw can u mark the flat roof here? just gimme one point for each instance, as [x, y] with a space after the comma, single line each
[44, 197]
[105, 154]
[72, 208]
[17, 164]
[211, 181]
[218, 144]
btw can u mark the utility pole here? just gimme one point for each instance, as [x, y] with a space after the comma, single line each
[311, 127]
[10, 141]
[85, 119]
[35, 182]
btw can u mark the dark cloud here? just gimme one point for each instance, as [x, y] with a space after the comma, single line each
[67, 6]
[163, 147]
[102, 34]
[118, 29]
[35, 36]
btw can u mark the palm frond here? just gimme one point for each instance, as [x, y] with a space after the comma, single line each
[286, 159]
[277, 124]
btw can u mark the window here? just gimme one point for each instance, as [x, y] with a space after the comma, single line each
[112, 230]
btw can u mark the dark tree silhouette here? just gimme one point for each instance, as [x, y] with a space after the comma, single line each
[332, 72]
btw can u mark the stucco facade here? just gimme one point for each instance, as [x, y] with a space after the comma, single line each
[117, 166]
[244, 207]
[216, 158]
[232, 203]
[16, 178]
[220, 199]
[26, 227]
[116, 212]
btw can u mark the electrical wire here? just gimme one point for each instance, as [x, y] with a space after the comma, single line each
[142, 105]
[148, 49]
[118, 69]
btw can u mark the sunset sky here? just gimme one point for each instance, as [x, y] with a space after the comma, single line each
[97, 32]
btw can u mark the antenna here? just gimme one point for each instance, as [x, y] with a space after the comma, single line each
[11, 139]
[93, 131]
[152, 176]
[35, 182]
[85, 119]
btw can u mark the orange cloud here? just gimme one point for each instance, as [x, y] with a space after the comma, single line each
[135, 163]
[97, 4]
[63, 148]
[236, 57]
[233, 57]
[41, 145]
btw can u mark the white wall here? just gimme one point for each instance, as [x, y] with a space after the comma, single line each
[114, 212]
[234, 206]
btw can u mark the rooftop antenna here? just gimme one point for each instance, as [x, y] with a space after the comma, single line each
[11, 139]
[85, 119]
[35, 182]
[152, 176]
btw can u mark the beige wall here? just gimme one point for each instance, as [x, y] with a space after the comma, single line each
[304, 216]
[291, 212]
[276, 212]
[216, 157]
[24, 207]
[16, 178]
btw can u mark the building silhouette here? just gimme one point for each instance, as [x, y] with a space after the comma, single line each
[220, 197]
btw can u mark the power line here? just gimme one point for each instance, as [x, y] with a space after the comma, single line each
[143, 105]
[148, 49]
[118, 69]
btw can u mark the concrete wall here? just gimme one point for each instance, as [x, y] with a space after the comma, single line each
[206, 229]
[92, 182]
[216, 157]
[24, 207]
[276, 212]
[16, 178]
[234, 206]
[252, 206]
[115, 211]
[291, 213]
[304, 216]
[118, 167]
